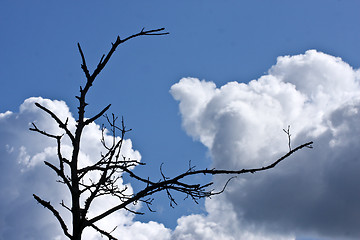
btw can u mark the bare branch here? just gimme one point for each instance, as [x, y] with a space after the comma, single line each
[83, 65]
[289, 136]
[103, 232]
[56, 214]
[195, 191]
[251, 170]
[36, 129]
[61, 124]
[60, 173]
[90, 120]
[64, 206]
[104, 60]
[112, 165]
[224, 187]
[118, 41]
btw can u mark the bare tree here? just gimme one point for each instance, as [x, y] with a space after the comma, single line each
[112, 165]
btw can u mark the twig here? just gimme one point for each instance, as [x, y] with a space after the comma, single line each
[289, 136]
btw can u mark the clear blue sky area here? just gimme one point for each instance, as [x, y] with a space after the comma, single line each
[219, 41]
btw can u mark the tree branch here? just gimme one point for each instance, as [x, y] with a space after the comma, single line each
[90, 120]
[112, 164]
[195, 191]
[105, 58]
[83, 65]
[103, 232]
[118, 41]
[61, 124]
[289, 136]
[251, 170]
[60, 173]
[56, 214]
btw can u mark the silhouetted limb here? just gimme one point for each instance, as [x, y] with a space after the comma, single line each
[111, 165]
[56, 214]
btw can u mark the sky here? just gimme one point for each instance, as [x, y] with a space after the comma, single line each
[218, 90]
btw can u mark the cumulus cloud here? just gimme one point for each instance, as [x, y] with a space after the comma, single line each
[312, 193]
[23, 173]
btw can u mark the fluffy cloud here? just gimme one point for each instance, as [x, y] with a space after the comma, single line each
[23, 173]
[311, 193]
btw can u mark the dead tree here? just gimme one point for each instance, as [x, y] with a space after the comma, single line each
[111, 165]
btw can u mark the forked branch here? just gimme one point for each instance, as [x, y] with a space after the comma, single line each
[111, 166]
[62, 125]
[195, 191]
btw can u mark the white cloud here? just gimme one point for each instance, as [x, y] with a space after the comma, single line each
[144, 231]
[313, 192]
[23, 173]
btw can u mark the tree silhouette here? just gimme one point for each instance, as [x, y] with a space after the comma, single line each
[112, 165]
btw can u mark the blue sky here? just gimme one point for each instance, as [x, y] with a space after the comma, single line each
[214, 41]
